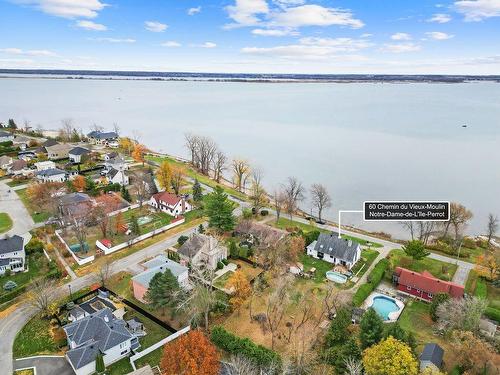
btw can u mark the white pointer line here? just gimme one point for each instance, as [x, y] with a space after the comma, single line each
[346, 211]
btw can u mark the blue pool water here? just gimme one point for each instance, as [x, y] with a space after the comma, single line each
[384, 306]
[336, 277]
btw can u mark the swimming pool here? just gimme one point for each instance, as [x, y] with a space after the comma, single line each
[384, 306]
[336, 277]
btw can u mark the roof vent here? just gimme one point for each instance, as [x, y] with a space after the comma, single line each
[106, 319]
[349, 243]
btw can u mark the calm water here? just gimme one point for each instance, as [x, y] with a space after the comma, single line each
[363, 141]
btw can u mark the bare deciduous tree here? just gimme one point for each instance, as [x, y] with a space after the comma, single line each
[141, 186]
[66, 129]
[294, 193]
[219, 165]
[258, 195]
[279, 200]
[462, 314]
[276, 305]
[320, 198]
[41, 293]
[459, 216]
[207, 149]
[491, 228]
[353, 366]
[192, 146]
[241, 171]
[103, 273]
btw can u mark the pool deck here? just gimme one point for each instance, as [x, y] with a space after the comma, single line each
[393, 316]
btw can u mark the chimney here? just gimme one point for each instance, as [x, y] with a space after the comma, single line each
[106, 319]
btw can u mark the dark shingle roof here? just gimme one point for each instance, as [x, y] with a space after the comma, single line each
[74, 198]
[340, 248]
[49, 142]
[193, 245]
[102, 135]
[96, 304]
[79, 151]
[433, 353]
[50, 172]
[10, 244]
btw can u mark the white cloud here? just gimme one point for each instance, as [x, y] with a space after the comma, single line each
[155, 26]
[90, 25]
[477, 10]
[193, 11]
[114, 40]
[245, 12]
[171, 44]
[401, 47]
[274, 32]
[401, 36]
[366, 35]
[32, 52]
[437, 35]
[208, 45]
[440, 18]
[314, 15]
[67, 8]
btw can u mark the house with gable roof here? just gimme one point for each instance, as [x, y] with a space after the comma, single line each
[169, 203]
[103, 138]
[331, 248]
[12, 254]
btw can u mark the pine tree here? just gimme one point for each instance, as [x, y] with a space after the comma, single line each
[162, 290]
[197, 193]
[134, 225]
[99, 363]
[415, 249]
[233, 250]
[125, 194]
[201, 229]
[371, 328]
[219, 210]
[12, 124]
[338, 331]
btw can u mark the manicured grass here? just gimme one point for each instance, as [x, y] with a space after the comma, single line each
[321, 266]
[17, 182]
[120, 367]
[481, 290]
[416, 318]
[5, 222]
[441, 270]
[154, 332]
[38, 217]
[470, 285]
[37, 266]
[367, 258]
[34, 338]
[28, 371]
[222, 281]
[493, 296]
[152, 359]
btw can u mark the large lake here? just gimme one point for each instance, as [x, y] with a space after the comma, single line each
[363, 141]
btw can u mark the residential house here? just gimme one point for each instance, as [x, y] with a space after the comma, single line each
[203, 249]
[102, 138]
[170, 203]
[87, 308]
[115, 176]
[263, 234]
[432, 356]
[49, 143]
[5, 162]
[58, 151]
[6, 136]
[12, 254]
[26, 155]
[99, 333]
[19, 168]
[21, 142]
[73, 204]
[77, 155]
[329, 247]
[114, 160]
[424, 285]
[161, 263]
[52, 175]
[110, 155]
[44, 165]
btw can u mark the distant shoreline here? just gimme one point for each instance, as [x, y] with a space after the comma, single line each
[243, 77]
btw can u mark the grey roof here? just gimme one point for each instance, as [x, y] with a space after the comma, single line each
[74, 198]
[102, 135]
[95, 333]
[112, 173]
[49, 142]
[17, 165]
[340, 248]
[77, 312]
[193, 245]
[4, 261]
[50, 172]
[96, 304]
[10, 244]
[158, 264]
[433, 353]
[79, 151]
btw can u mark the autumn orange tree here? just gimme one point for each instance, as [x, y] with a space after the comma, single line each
[487, 266]
[178, 174]
[164, 175]
[79, 183]
[242, 289]
[190, 354]
[138, 153]
[41, 196]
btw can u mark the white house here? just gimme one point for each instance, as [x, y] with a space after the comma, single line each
[102, 138]
[5, 162]
[52, 175]
[44, 165]
[12, 254]
[170, 203]
[331, 248]
[98, 333]
[203, 249]
[159, 264]
[76, 155]
[115, 176]
[6, 136]
[113, 160]
[58, 151]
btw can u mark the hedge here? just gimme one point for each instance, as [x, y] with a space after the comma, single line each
[374, 279]
[481, 291]
[11, 295]
[232, 344]
[492, 313]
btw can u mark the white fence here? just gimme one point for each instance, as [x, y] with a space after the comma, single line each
[123, 245]
[131, 207]
[159, 344]
[80, 261]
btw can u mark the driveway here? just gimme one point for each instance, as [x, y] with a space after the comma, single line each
[12, 205]
[45, 365]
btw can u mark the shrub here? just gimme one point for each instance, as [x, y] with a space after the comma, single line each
[232, 344]
[436, 301]
[247, 213]
[492, 313]
[361, 294]
[233, 250]
[264, 212]
[220, 265]
[243, 252]
[182, 239]
[34, 246]
[311, 236]
[481, 290]
[469, 243]
[374, 279]
[225, 262]
[11, 295]
[8, 272]
[9, 285]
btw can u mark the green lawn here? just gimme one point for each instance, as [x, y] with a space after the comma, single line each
[38, 217]
[321, 266]
[367, 258]
[5, 222]
[222, 281]
[416, 318]
[17, 182]
[123, 366]
[441, 270]
[34, 338]
[284, 223]
[37, 266]
[154, 332]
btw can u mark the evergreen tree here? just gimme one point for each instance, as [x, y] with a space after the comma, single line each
[219, 210]
[372, 328]
[90, 185]
[162, 290]
[99, 363]
[12, 124]
[338, 354]
[201, 229]
[125, 194]
[338, 331]
[233, 250]
[197, 192]
[396, 331]
[134, 225]
[415, 249]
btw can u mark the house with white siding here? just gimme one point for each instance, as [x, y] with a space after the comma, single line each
[169, 203]
[52, 175]
[329, 247]
[202, 249]
[77, 155]
[12, 254]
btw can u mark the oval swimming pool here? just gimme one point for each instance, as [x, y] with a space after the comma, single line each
[384, 306]
[336, 277]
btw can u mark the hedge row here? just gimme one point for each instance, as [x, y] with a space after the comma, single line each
[11, 295]
[374, 279]
[493, 313]
[481, 291]
[232, 344]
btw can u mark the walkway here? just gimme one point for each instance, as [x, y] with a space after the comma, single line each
[11, 204]
[45, 365]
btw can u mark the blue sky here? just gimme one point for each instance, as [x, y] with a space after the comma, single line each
[261, 36]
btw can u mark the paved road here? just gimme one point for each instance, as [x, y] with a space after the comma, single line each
[12, 205]
[45, 365]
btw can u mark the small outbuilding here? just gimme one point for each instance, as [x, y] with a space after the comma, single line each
[432, 356]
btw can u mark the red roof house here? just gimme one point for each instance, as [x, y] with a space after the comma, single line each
[424, 285]
[170, 203]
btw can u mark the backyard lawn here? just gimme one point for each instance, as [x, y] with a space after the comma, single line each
[5, 222]
[321, 267]
[437, 268]
[38, 217]
[154, 332]
[37, 266]
[34, 338]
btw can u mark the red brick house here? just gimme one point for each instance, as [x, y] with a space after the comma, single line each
[424, 285]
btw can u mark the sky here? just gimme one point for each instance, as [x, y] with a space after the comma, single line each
[253, 36]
